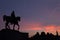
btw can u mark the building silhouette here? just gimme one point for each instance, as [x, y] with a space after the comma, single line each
[7, 34]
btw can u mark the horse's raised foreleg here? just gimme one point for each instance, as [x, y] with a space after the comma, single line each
[18, 27]
[7, 26]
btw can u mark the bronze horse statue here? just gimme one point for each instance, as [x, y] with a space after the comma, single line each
[12, 20]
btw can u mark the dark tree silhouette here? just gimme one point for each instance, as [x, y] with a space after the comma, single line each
[44, 36]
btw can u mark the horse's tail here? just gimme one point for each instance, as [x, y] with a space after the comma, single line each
[4, 17]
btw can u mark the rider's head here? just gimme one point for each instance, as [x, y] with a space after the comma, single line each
[13, 14]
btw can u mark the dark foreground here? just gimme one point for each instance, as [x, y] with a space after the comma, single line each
[8, 34]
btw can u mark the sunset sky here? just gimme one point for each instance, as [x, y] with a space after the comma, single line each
[36, 15]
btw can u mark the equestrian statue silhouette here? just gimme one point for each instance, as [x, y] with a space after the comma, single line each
[12, 20]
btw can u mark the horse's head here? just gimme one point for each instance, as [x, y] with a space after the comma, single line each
[4, 17]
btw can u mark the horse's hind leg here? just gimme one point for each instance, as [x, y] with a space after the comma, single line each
[14, 27]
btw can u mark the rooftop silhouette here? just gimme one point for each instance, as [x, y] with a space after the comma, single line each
[7, 34]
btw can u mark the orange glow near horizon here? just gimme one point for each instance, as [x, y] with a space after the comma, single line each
[50, 28]
[38, 27]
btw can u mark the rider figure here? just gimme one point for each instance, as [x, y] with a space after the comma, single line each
[13, 16]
